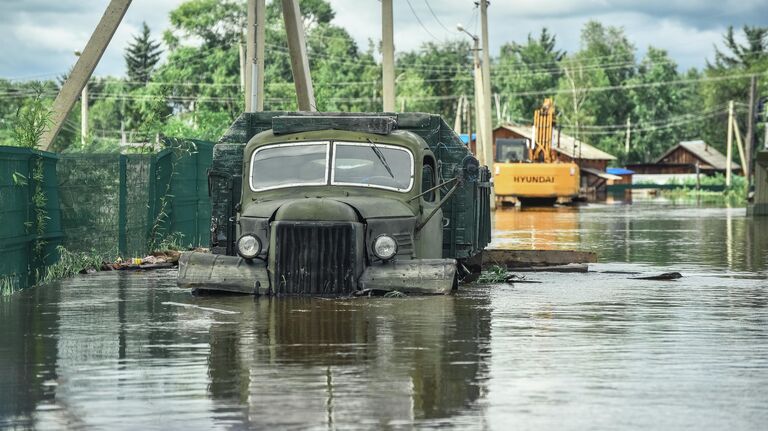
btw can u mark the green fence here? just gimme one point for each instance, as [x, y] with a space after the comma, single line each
[30, 226]
[106, 204]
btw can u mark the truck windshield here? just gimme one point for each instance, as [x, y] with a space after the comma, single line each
[373, 165]
[286, 165]
[354, 164]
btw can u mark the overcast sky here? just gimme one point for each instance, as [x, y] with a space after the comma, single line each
[40, 36]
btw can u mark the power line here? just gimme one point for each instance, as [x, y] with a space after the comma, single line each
[419, 21]
[667, 125]
[435, 16]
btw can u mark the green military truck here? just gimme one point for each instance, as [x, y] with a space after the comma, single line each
[339, 204]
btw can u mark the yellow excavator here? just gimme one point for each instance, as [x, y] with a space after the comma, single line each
[529, 171]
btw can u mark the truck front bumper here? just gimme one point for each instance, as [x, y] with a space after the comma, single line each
[213, 272]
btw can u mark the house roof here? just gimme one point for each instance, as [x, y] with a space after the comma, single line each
[465, 138]
[601, 174]
[706, 153]
[569, 146]
[619, 171]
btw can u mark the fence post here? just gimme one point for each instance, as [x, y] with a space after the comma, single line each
[122, 214]
[151, 200]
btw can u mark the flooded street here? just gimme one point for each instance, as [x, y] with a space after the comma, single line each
[596, 350]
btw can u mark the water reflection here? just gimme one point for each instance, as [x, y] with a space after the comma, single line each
[384, 360]
[112, 349]
[668, 233]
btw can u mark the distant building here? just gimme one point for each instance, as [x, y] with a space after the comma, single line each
[624, 174]
[683, 158]
[592, 161]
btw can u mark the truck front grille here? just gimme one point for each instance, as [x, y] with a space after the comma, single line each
[315, 258]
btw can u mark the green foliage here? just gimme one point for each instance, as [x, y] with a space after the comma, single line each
[530, 67]
[577, 102]
[141, 56]
[495, 274]
[652, 107]
[172, 241]
[438, 70]
[71, 263]
[32, 120]
[8, 284]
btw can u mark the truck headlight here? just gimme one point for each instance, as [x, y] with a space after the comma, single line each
[384, 247]
[248, 246]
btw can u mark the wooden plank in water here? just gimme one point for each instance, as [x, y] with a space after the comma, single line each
[569, 267]
[531, 258]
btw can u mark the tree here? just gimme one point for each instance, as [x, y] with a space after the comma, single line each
[607, 48]
[530, 67]
[730, 70]
[654, 106]
[753, 53]
[576, 100]
[446, 68]
[141, 56]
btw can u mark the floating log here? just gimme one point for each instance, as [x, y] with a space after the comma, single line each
[570, 267]
[663, 276]
[517, 259]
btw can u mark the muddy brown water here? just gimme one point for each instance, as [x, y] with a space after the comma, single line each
[595, 350]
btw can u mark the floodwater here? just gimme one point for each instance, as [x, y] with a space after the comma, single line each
[575, 351]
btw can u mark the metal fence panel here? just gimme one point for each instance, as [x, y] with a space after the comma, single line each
[106, 204]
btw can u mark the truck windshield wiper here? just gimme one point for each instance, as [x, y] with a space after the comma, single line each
[381, 158]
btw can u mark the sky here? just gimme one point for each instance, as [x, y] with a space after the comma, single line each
[40, 36]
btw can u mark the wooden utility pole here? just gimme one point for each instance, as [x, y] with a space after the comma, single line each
[629, 134]
[84, 116]
[729, 146]
[740, 146]
[468, 116]
[83, 69]
[749, 142]
[254, 69]
[294, 27]
[457, 119]
[478, 76]
[242, 73]
[486, 108]
[387, 56]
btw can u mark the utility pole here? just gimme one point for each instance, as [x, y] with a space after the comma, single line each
[468, 116]
[84, 115]
[254, 69]
[387, 56]
[480, 142]
[294, 26]
[486, 109]
[629, 133]
[242, 73]
[750, 141]
[740, 146]
[729, 146]
[457, 119]
[83, 69]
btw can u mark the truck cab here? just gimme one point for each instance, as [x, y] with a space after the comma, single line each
[333, 205]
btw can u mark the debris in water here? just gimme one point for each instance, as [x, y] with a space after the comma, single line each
[514, 278]
[213, 310]
[664, 276]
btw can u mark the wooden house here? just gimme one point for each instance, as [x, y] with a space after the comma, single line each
[683, 158]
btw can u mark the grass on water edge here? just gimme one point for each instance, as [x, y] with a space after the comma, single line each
[495, 274]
